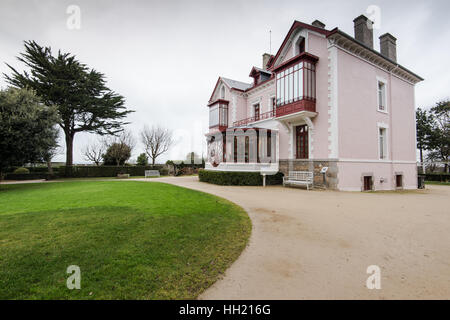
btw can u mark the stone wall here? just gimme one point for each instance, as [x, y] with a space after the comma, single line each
[330, 181]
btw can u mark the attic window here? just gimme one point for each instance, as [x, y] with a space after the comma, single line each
[301, 45]
[222, 92]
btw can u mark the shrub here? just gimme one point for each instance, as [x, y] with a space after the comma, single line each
[21, 171]
[232, 178]
[142, 160]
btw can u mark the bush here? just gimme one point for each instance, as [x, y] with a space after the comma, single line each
[142, 160]
[21, 171]
[232, 178]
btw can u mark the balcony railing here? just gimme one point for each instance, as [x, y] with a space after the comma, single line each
[296, 106]
[262, 116]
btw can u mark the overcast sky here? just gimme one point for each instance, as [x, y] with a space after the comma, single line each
[164, 57]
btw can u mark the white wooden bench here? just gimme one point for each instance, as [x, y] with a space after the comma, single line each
[299, 178]
[152, 173]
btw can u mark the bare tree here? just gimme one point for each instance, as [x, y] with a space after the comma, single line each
[157, 140]
[94, 152]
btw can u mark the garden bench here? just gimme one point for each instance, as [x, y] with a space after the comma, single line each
[299, 178]
[152, 173]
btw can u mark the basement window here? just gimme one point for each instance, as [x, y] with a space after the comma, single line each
[399, 181]
[367, 183]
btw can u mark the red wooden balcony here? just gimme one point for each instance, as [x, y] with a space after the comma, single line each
[296, 106]
[262, 116]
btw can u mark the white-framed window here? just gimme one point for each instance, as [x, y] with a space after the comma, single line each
[381, 96]
[382, 143]
[256, 111]
[272, 103]
[222, 92]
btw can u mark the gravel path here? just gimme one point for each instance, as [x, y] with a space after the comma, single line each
[318, 244]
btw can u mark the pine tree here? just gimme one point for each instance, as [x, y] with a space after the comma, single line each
[83, 101]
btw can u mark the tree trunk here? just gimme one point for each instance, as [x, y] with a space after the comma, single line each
[153, 162]
[49, 166]
[69, 153]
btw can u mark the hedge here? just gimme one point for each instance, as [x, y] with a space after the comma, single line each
[440, 176]
[232, 178]
[38, 169]
[109, 171]
[28, 176]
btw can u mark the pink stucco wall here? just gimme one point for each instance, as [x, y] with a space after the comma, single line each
[317, 45]
[358, 125]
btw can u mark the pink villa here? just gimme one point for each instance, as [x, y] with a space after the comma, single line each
[328, 103]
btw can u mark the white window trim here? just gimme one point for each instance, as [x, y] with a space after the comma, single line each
[270, 107]
[384, 81]
[253, 108]
[381, 125]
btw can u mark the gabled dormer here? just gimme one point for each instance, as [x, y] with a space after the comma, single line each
[259, 75]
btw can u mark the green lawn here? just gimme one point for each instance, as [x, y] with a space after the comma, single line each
[131, 240]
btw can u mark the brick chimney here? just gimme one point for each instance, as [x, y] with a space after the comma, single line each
[388, 46]
[266, 57]
[364, 30]
[318, 24]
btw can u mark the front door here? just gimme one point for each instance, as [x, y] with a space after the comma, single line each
[301, 139]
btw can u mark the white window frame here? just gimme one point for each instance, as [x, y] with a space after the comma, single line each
[385, 142]
[386, 107]
[271, 107]
[253, 109]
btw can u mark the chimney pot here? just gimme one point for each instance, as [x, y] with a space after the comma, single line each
[265, 61]
[364, 30]
[388, 46]
[318, 24]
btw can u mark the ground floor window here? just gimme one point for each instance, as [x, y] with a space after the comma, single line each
[301, 142]
[367, 183]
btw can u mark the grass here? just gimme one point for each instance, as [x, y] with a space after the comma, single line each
[440, 183]
[131, 240]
